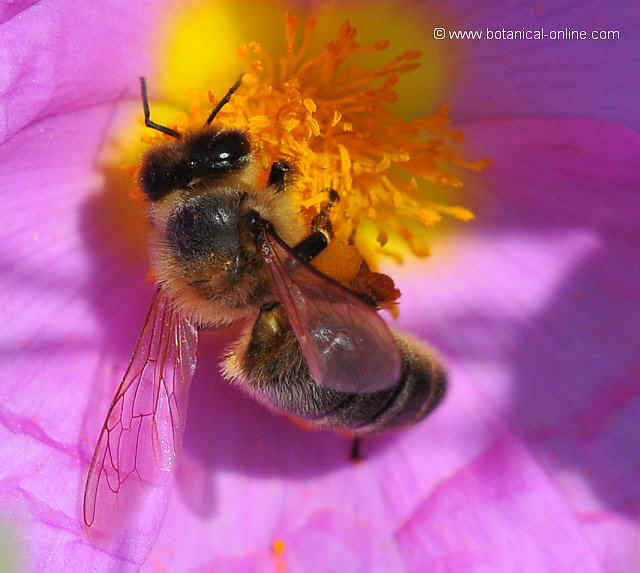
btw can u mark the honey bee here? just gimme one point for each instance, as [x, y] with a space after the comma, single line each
[224, 250]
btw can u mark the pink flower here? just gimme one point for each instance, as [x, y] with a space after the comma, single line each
[530, 465]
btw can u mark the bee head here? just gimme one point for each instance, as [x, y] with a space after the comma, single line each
[203, 250]
[200, 186]
[207, 155]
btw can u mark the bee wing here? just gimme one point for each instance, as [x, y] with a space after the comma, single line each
[142, 433]
[347, 345]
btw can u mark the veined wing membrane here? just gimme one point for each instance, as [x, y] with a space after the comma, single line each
[142, 434]
[347, 345]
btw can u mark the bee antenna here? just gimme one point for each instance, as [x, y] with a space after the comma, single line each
[147, 113]
[224, 100]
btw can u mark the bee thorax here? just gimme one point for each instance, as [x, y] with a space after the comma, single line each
[206, 230]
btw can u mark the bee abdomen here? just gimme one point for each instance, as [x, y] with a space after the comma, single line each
[270, 363]
[421, 387]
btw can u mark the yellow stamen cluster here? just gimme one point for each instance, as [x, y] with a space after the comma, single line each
[333, 121]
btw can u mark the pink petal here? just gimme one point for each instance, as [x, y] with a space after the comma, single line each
[532, 459]
[538, 306]
[544, 78]
[59, 56]
[444, 495]
[249, 477]
[498, 511]
[72, 306]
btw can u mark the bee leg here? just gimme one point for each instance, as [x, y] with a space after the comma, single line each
[321, 221]
[318, 240]
[312, 246]
[355, 455]
[147, 113]
[278, 174]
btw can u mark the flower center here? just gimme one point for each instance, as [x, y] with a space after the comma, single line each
[332, 119]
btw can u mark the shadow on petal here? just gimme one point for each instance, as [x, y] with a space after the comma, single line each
[540, 301]
[576, 372]
[576, 360]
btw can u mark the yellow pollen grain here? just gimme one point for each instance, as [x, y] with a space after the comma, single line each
[290, 124]
[345, 166]
[313, 201]
[310, 105]
[382, 238]
[277, 547]
[456, 212]
[314, 127]
[259, 122]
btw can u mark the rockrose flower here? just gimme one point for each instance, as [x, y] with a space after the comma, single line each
[511, 159]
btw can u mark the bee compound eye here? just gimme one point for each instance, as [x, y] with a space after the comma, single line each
[228, 150]
[159, 174]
